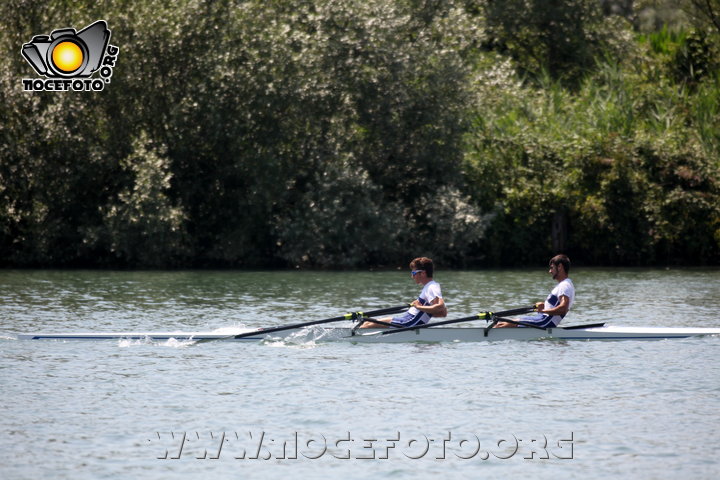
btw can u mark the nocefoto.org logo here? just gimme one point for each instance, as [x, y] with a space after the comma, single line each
[68, 59]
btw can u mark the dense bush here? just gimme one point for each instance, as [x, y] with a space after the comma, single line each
[345, 134]
[623, 171]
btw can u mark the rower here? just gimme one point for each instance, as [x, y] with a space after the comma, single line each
[429, 303]
[558, 303]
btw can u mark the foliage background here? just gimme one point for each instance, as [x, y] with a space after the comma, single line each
[339, 134]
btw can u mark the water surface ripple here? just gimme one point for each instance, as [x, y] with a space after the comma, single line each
[543, 409]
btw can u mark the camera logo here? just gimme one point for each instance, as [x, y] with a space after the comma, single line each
[68, 59]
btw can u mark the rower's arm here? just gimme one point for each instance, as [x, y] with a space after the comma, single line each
[436, 308]
[561, 309]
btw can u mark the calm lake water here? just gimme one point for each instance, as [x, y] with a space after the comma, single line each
[542, 409]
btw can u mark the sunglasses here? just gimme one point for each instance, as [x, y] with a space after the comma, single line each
[415, 272]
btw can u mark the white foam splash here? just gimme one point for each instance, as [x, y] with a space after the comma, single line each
[232, 330]
[307, 337]
[170, 342]
[128, 342]
[174, 343]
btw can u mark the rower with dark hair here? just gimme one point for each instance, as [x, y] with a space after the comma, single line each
[558, 303]
[429, 303]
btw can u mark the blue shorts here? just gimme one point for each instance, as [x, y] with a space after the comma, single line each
[407, 320]
[539, 320]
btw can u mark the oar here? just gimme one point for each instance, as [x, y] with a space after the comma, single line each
[347, 316]
[479, 316]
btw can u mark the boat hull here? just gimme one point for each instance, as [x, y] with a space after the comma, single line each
[440, 334]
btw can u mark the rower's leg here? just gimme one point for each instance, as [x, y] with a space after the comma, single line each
[370, 324]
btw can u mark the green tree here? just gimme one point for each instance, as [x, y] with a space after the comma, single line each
[142, 226]
[562, 38]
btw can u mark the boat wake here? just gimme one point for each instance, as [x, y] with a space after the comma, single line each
[171, 342]
[182, 341]
[307, 337]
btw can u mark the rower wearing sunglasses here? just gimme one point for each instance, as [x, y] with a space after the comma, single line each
[428, 304]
